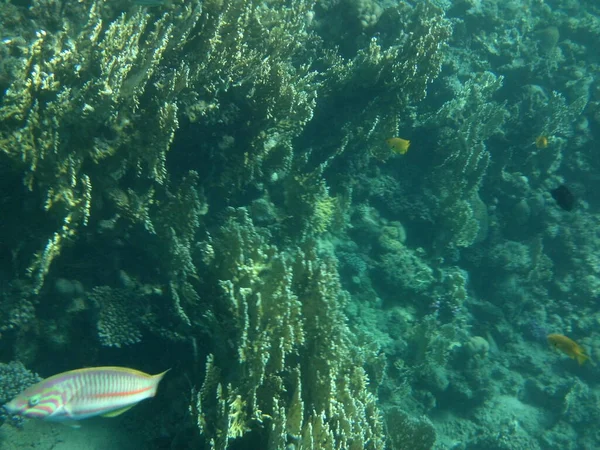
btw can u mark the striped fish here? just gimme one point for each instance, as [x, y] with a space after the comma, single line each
[83, 393]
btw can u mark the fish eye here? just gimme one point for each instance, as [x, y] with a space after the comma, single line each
[34, 400]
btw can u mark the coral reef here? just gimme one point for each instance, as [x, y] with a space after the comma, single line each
[118, 316]
[295, 373]
[206, 185]
[14, 378]
[407, 432]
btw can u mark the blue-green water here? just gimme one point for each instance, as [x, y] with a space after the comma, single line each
[341, 224]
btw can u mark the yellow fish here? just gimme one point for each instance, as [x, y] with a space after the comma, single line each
[398, 145]
[542, 141]
[569, 347]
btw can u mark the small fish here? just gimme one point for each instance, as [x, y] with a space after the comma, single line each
[569, 347]
[542, 141]
[564, 197]
[83, 393]
[398, 145]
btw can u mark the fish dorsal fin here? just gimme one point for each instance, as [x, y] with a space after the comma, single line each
[118, 412]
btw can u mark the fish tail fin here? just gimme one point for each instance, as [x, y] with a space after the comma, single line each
[157, 379]
[582, 358]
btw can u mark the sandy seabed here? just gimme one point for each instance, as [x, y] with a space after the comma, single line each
[94, 434]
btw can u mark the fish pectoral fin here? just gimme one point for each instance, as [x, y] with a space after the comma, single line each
[118, 412]
[65, 412]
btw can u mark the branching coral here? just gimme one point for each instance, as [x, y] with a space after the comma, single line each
[404, 60]
[247, 48]
[299, 377]
[386, 77]
[88, 104]
[307, 197]
[72, 103]
[466, 122]
[178, 219]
